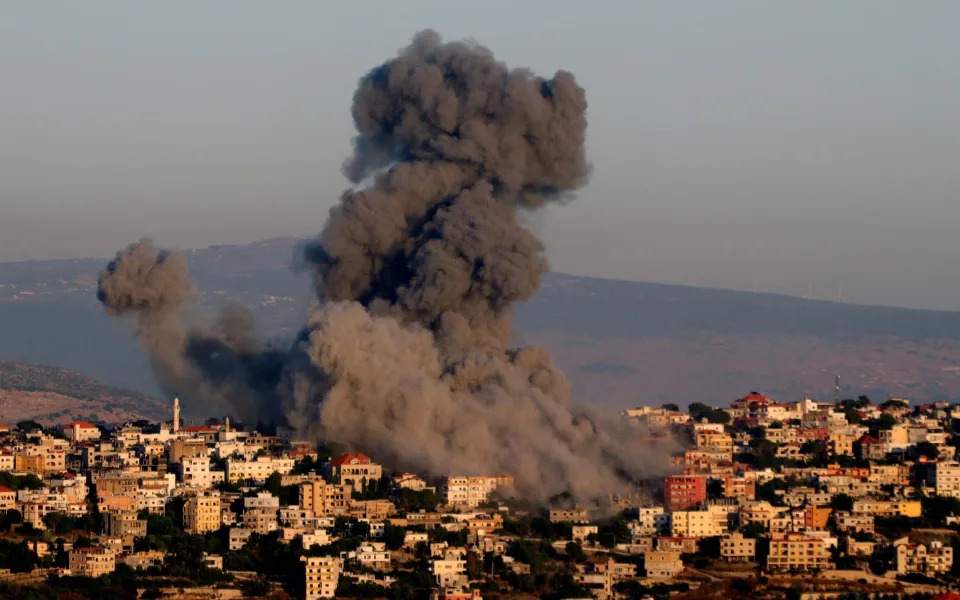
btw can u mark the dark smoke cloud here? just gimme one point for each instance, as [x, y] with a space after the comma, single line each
[408, 355]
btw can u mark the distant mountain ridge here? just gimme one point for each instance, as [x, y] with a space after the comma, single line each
[55, 395]
[620, 342]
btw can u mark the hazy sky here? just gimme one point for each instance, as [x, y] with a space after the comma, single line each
[768, 145]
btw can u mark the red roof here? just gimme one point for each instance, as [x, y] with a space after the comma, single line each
[947, 596]
[754, 397]
[80, 424]
[349, 458]
[4, 489]
[199, 429]
[867, 439]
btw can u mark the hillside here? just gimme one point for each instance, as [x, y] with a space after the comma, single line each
[54, 395]
[620, 342]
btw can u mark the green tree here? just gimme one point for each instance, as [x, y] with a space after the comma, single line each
[671, 406]
[16, 556]
[28, 425]
[575, 552]
[474, 566]
[394, 536]
[841, 502]
[753, 530]
[927, 449]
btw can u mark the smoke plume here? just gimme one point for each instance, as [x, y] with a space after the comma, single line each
[408, 355]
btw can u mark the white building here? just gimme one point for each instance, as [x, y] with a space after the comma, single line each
[258, 469]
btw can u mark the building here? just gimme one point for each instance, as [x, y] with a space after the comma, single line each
[698, 523]
[470, 492]
[581, 532]
[203, 513]
[325, 498]
[841, 443]
[91, 561]
[260, 512]
[569, 515]
[797, 552]
[736, 548]
[453, 593]
[187, 448]
[29, 463]
[652, 521]
[449, 570]
[257, 470]
[409, 481]
[662, 564]
[81, 431]
[121, 523]
[739, 487]
[356, 470]
[946, 479]
[683, 491]
[196, 472]
[933, 559]
[8, 498]
[322, 575]
[373, 555]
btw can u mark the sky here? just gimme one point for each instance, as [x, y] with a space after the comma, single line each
[806, 148]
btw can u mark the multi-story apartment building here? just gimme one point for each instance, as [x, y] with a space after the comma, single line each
[797, 552]
[28, 463]
[79, 431]
[356, 470]
[91, 561]
[887, 508]
[841, 443]
[196, 472]
[683, 491]
[652, 521]
[736, 548]
[202, 512]
[260, 512]
[712, 439]
[569, 515]
[449, 570]
[325, 498]
[739, 487]
[698, 523]
[8, 498]
[853, 523]
[946, 479]
[257, 470]
[322, 575]
[662, 564]
[122, 523]
[933, 559]
[470, 492]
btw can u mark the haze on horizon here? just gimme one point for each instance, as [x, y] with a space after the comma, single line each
[744, 145]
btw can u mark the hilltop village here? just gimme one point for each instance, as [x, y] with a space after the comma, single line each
[847, 499]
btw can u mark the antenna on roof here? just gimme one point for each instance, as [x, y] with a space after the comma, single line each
[840, 297]
[837, 390]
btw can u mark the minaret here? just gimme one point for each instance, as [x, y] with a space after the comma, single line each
[226, 425]
[176, 415]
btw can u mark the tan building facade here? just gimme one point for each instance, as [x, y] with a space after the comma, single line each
[797, 552]
[322, 574]
[202, 513]
[92, 561]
